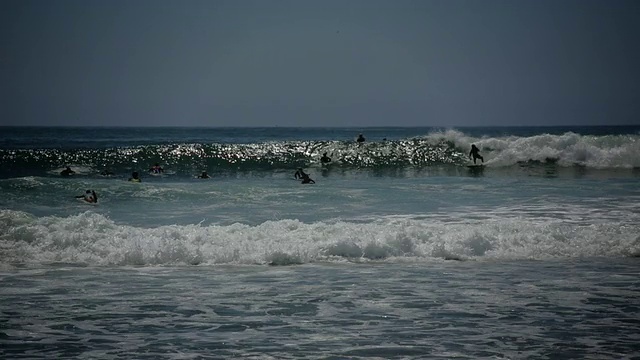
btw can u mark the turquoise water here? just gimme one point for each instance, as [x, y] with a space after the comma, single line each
[399, 250]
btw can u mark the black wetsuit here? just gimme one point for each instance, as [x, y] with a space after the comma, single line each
[299, 174]
[475, 153]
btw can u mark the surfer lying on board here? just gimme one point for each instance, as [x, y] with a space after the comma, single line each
[67, 172]
[107, 172]
[156, 169]
[89, 196]
[325, 159]
[475, 153]
[307, 180]
[204, 175]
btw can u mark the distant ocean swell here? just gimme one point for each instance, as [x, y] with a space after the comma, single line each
[438, 148]
[93, 239]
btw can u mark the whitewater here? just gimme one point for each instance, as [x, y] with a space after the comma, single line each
[401, 249]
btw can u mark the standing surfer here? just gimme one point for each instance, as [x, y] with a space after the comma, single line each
[475, 153]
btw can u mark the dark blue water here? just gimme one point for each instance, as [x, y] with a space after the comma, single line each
[100, 137]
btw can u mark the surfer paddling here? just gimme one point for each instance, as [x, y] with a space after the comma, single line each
[156, 169]
[325, 159]
[89, 196]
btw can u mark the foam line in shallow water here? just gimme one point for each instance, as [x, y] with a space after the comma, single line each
[93, 239]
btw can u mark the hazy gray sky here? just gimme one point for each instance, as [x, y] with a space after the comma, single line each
[319, 63]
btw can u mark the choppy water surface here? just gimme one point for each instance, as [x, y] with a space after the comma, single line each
[399, 250]
[556, 309]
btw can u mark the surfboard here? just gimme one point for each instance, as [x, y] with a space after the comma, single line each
[475, 166]
[82, 200]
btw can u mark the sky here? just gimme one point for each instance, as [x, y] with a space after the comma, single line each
[319, 63]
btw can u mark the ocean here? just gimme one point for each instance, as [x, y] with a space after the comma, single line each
[402, 249]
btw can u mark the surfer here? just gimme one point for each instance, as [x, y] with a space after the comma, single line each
[156, 169]
[89, 196]
[325, 159]
[107, 172]
[475, 153]
[204, 175]
[67, 172]
[135, 177]
[299, 174]
[360, 139]
[307, 180]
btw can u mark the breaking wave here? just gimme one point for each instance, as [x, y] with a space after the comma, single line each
[443, 148]
[91, 239]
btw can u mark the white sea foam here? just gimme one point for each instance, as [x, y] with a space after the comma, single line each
[94, 239]
[569, 149]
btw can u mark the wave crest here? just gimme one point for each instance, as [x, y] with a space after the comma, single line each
[443, 148]
[93, 239]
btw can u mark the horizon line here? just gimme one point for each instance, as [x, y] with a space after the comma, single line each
[306, 127]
